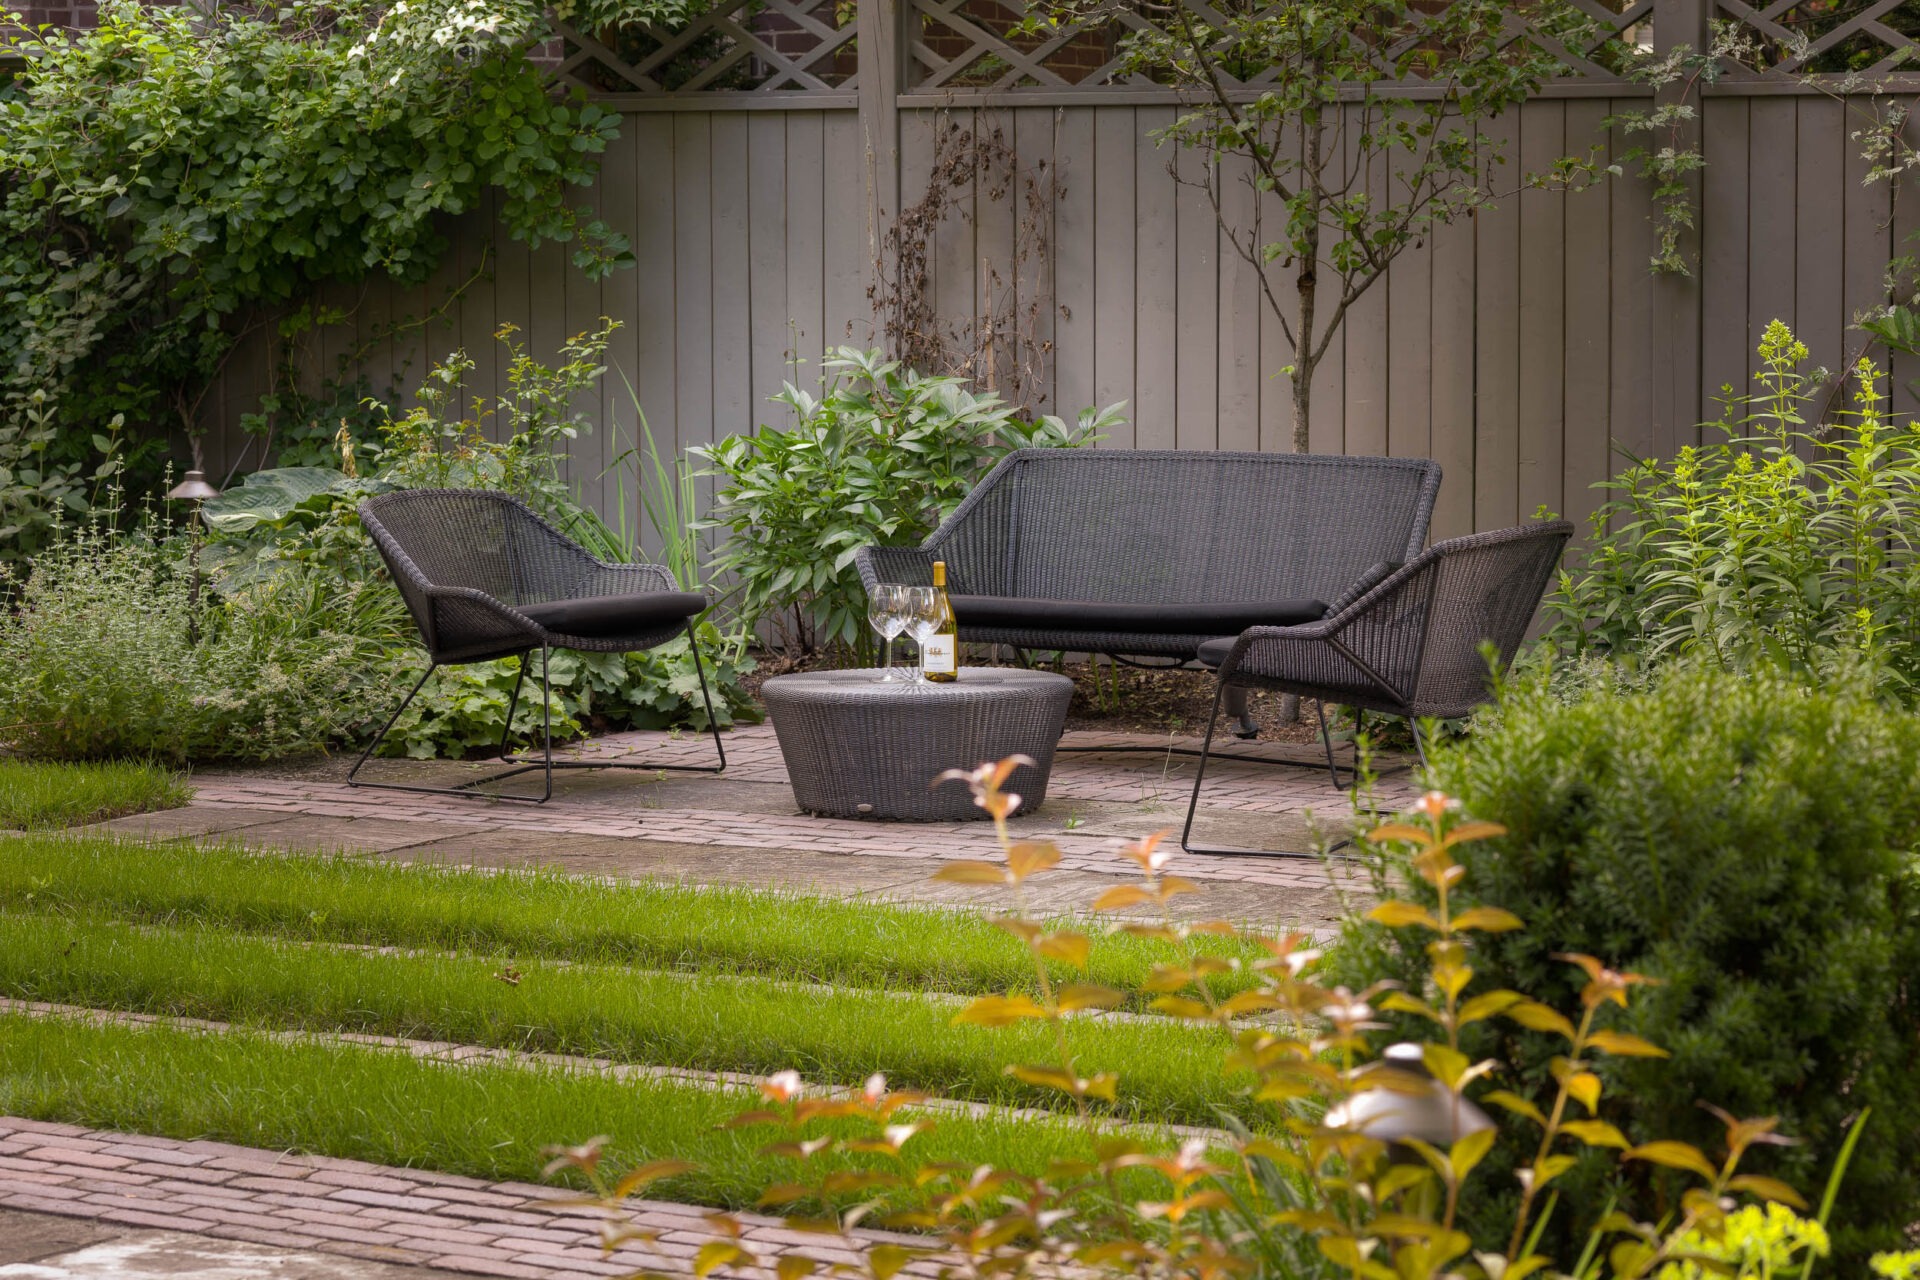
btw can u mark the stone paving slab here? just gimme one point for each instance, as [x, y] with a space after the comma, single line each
[39, 1246]
[345, 1209]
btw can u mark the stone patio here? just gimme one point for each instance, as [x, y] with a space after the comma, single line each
[741, 827]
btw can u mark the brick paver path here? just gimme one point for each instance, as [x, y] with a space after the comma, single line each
[507, 1229]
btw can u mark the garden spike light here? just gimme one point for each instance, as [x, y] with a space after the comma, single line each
[1394, 1117]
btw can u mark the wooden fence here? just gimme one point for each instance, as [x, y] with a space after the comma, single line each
[763, 153]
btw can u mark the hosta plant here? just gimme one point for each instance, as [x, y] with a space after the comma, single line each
[1313, 1188]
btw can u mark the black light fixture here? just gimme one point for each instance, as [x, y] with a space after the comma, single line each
[193, 487]
[1431, 1115]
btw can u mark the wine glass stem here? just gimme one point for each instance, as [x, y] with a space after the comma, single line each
[886, 666]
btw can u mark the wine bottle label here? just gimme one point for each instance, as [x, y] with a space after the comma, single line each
[937, 655]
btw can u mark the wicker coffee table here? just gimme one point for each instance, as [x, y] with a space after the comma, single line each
[858, 747]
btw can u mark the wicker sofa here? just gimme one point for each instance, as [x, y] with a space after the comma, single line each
[1139, 553]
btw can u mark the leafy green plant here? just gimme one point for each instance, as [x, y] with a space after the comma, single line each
[169, 174]
[880, 456]
[1751, 844]
[465, 708]
[111, 651]
[1309, 1189]
[37, 795]
[1786, 542]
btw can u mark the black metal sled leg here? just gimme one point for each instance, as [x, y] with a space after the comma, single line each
[465, 789]
[1193, 803]
[713, 727]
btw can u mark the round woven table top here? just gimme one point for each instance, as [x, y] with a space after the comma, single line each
[864, 685]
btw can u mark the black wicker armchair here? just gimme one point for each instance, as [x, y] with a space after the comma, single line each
[1410, 645]
[484, 578]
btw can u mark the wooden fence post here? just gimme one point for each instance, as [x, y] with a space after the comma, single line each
[1676, 356]
[879, 36]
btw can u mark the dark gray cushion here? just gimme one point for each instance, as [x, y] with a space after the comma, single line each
[606, 616]
[1021, 613]
[1366, 582]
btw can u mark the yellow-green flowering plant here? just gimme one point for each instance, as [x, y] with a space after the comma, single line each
[1313, 1185]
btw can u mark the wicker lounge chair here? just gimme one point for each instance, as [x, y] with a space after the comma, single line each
[1410, 645]
[485, 578]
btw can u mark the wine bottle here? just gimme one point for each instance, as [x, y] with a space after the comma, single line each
[940, 654]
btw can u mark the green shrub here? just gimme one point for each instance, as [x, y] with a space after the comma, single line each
[879, 457]
[1780, 543]
[36, 795]
[110, 652]
[1751, 844]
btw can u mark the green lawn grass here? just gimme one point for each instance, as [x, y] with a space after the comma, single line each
[36, 795]
[1169, 1072]
[548, 915]
[383, 1106]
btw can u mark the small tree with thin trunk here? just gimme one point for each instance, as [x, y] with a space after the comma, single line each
[1358, 124]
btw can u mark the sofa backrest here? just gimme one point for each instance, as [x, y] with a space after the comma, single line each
[1154, 527]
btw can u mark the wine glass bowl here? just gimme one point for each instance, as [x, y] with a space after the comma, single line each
[922, 612]
[886, 614]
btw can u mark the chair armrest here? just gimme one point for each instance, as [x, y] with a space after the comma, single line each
[465, 619]
[910, 565]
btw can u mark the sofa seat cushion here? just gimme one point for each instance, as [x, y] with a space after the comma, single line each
[1023, 614]
[604, 617]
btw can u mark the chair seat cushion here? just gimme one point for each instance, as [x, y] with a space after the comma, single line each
[1021, 613]
[608, 616]
[1214, 652]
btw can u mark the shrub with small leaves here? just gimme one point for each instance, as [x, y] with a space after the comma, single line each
[1315, 1188]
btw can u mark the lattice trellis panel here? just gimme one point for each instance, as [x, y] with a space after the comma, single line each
[755, 46]
[974, 44]
[1811, 37]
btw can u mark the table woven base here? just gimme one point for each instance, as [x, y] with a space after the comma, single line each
[857, 747]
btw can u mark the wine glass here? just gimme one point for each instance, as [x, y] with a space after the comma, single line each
[922, 611]
[886, 614]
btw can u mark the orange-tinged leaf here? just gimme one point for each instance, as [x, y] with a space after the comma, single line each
[1120, 897]
[1397, 915]
[1622, 1045]
[1518, 1105]
[971, 873]
[999, 1011]
[1535, 1016]
[793, 1266]
[1045, 1078]
[1487, 1004]
[1159, 932]
[1470, 1150]
[1401, 1002]
[1768, 1189]
[1245, 1002]
[1181, 1007]
[1550, 1167]
[884, 1261]
[715, 1254]
[1399, 831]
[1081, 995]
[1596, 1133]
[1584, 1086]
[1027, 857]
[1103, 1084]
[1447, 1064]
[1473, 831]
[1488, 920]
[1067, 947]
[652, 1171]
[1674, 1155]
[1172, 886]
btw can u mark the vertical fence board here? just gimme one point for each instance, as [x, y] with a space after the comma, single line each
[1197, 308]
[1543, 338]
[733, 401]
[767, 203]
[1155, 274]
[847, 319]
[995, 292]
[1410, 351]
[1454, 248]
[1073, 237]
[805, 230]
[1238, 322]
[693, 280]
[1630, 332]
[1588, 451]
[1771, 221]
[1033, 279]
[1819, 241]
[1115, 297]
[1725, 201]
[1497, 328]
[1866, 218]
[1366, 331]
